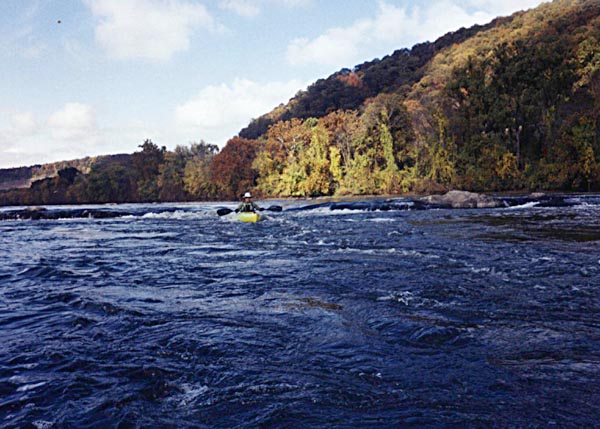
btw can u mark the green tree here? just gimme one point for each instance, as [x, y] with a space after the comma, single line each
[316, 164]
[335, 168]
[170, 178]
[441, 164]
[588, 72]
[279, 167]
[360, 178]
[147, 164]
[196, 175]
[587, 167]
[343, 128]
[111, 182]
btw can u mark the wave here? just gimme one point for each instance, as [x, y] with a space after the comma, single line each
[528, 205]
[177, 215]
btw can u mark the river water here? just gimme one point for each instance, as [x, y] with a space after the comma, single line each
[173, 317]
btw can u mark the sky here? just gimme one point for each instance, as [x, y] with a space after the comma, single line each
[93, 77]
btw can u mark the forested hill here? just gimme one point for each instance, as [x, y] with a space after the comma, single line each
[23, 177]
[512, 105]
[348, 89]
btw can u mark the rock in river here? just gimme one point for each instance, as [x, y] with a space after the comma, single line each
[463, 200]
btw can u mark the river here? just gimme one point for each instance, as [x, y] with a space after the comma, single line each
[171, 316]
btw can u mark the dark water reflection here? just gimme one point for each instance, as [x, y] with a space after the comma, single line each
[178, 318]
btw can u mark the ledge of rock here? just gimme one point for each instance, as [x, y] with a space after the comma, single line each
[463, 200]
[38, 213]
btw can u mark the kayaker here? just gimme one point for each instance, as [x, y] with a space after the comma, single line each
[247, 204]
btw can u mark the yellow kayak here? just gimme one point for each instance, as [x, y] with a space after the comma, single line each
[248, 217]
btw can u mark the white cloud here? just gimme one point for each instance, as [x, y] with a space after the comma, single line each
[393, 23]
[218, 112]
[251, 8]
[443, 17]
[73, 122]
[289, 3]
[149, 29]
[21, 42]
[23, 124]
[336, 46]
[16, 129]
[245, 8]
[395, 27]
[72, 131]
[69, 132]
[502, 7]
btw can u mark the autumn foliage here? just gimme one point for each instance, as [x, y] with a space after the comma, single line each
[231, 170]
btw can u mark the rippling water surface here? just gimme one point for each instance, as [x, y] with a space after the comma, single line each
[176, 318]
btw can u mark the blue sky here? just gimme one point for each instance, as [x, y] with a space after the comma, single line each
[112, 73]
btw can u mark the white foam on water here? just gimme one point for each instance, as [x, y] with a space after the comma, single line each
[19, 379]
[382, 219]
[491, 271]
[43, 424]
[250, 252]
[28, 387]
[365, 251]
[388, 251]
[326, 211]
[415, 254]
[403, 297]
[544, 259]
[177, 215]
[525, 206]
[190, 393]
[270, 388]
[322, 243]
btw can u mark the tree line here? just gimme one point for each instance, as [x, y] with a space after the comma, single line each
[149, 175]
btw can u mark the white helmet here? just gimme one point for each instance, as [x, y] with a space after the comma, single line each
[247, 195]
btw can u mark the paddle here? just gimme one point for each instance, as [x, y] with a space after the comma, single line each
[226, 211]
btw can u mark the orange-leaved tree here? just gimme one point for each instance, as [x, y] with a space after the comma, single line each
[231, 169]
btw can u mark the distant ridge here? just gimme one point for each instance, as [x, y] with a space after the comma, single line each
[350, 88]
[23, 177]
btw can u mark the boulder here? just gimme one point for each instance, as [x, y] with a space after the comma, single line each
[35, 209]
[463, 200]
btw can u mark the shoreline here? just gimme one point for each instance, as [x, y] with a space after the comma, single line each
[324, 199]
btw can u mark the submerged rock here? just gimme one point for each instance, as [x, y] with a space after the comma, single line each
[40, 213]
[539, 199]
[463, 200]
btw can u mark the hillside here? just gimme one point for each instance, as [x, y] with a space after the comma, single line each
[511, 105]
[151, 174]
[23, 177]
[348, 89]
